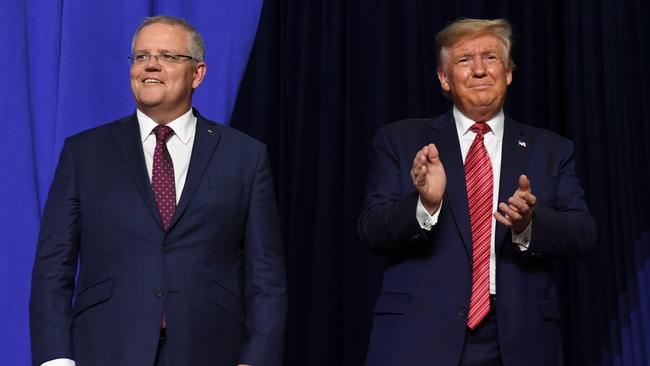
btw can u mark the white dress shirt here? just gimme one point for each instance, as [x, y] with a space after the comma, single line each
[180, 148]
[179, 145]
[493, 141]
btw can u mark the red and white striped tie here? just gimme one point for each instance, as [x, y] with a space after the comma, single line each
[478, 177]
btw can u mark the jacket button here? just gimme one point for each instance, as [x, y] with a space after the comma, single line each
[159, 292]
[462, 312]
[166, 248]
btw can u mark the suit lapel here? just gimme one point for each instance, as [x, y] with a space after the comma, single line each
[446, 140]
[127, 136]
[206, 140]
[514, 162]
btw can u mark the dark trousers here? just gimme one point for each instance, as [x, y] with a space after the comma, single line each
[482, 344]
[162, 345]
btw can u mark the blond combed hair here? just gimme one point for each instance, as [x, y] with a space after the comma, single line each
[467, 27]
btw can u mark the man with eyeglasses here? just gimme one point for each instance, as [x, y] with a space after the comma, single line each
[160, 240]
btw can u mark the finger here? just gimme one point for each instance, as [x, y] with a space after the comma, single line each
[424, 153]
[415, 169]
[519, 204]
[529, 198]
[510, 212]
[524, 184]
[415, 176]
[432, 153]
[418, 161]
[421, 176]
[502, 219]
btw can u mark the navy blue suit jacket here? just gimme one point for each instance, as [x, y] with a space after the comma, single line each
[420, 315]
[219, 269]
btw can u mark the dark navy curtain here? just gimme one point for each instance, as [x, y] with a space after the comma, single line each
[63, 69]
[324, 74]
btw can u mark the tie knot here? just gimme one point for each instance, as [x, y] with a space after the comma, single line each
[480, 128]
[162, 133]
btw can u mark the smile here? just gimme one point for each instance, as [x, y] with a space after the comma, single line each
[152, 81]
[481, 86]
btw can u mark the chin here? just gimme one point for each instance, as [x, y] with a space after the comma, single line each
[150, 100]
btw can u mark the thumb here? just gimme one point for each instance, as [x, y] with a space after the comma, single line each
[524, 183]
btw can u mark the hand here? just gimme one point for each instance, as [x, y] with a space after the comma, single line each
[429, 177]
[518, 213]
[243, 364]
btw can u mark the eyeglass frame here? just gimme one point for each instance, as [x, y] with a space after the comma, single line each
[134, 59]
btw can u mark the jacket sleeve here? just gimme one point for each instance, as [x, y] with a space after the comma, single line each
[265, 278]
[566, 230]
[55, 264]
[388, 223]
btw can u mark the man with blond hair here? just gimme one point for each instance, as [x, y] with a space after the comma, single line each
[473, 210]
[160, 241]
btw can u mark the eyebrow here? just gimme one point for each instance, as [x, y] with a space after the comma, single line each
[161, 51]
[473, 54]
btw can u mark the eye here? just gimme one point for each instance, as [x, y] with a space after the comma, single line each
[169, 58]
[142, 57]
[491, 57]
[464, 60]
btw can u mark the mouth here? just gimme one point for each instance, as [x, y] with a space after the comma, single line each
[481, 86]
[152, 81]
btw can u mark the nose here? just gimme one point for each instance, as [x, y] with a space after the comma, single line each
[152, 63]
[479, 68]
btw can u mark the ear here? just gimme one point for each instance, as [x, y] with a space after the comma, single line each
[509, 76]
[444, 82]
[199, 73]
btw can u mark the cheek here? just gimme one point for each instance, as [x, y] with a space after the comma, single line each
[461, 77]
[134, 74]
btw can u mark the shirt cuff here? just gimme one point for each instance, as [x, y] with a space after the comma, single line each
[60, 362]
[523, 238]
[426, 221]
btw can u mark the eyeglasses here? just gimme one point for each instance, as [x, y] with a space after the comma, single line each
[143, 58]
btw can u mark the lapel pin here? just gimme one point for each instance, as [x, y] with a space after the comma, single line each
[210, 132]
[521, 143]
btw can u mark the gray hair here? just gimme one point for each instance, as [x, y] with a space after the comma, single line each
[461, 28]
[196, 46]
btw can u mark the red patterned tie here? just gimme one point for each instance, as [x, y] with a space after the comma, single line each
[163, 185]
[478, 176]
[162, 176]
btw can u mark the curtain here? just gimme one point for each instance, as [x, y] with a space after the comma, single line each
[64, 69]
[324, 74]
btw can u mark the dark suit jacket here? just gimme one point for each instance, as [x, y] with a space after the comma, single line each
[219, 269]
[420, 315]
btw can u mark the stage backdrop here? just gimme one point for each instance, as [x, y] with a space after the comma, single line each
[325, 74]
[63, 69]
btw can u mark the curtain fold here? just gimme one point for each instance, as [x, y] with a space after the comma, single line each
[325, 74]
[64, 69]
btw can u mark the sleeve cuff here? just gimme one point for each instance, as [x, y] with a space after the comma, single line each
[426, 221]
[59, 362]
[523, 239]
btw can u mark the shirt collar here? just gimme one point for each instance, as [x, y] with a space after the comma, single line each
[463, 123]
[183, 126]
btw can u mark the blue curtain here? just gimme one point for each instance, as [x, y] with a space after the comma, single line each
[63, 69]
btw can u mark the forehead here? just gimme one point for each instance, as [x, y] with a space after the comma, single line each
[162, 36]
[477, 44]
